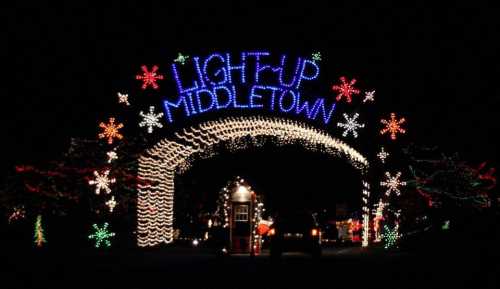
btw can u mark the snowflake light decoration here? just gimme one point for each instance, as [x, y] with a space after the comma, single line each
[181, 58]
[350, 125]
[111, 203]
[369, 96]
[392, 183]
[17, 214]
[149, 78]
[150, 119]
[393, 126]
[110, 130]
[101, 235]
[123, 98]
[390, 236]
[111, 156]
[345, 89]
[102, 182]
[316, 57]
[382, 155]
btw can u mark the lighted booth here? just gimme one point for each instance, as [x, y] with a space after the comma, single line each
[241, 209]
[240, 228]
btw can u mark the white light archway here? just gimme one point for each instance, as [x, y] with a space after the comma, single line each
[158, 165]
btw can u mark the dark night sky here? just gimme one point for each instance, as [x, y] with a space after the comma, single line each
[62, 63]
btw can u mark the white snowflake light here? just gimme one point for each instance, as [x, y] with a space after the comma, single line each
[392, 183]
[350, 125]
[150, 119]
[123, 98]
[102, 182]
[382, 155]
[316, 57]
[181, 58]
[111, 204]
[369, 96]
[111, 156]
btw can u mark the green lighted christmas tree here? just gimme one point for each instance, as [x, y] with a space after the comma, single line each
[39, 236]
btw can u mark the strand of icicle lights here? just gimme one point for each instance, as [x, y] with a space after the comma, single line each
[366, 214]
[158, 165]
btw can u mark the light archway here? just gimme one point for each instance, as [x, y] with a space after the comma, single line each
[158, 165]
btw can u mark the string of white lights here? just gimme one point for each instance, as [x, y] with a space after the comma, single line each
[158, 165]
[366, 214]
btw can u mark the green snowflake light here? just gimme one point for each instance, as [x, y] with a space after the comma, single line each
[316, 57]
[181, 59]
[390, 237]
[101, 235]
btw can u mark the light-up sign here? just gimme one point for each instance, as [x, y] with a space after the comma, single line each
[252, 80]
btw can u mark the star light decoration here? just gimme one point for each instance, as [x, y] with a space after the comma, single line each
[17, 214]
[392, 183]
[393, 126]
[123, 98]
[149, 78]
[316, 57]
[181, 58]
[382, 155]
[102, 182]
[111, 156]
[150, 119]
[350, 125]
[369, 96]
[110, 130]
[111, 203]
[101, 235]
[345, 89]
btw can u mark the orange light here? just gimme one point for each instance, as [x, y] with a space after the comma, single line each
[393, 126]
[314, 232]
[272, 232]
[110, 130]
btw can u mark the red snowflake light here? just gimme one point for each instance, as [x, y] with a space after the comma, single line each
[149, 77]
[346, 89]
[393, 126]
[110, 130]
